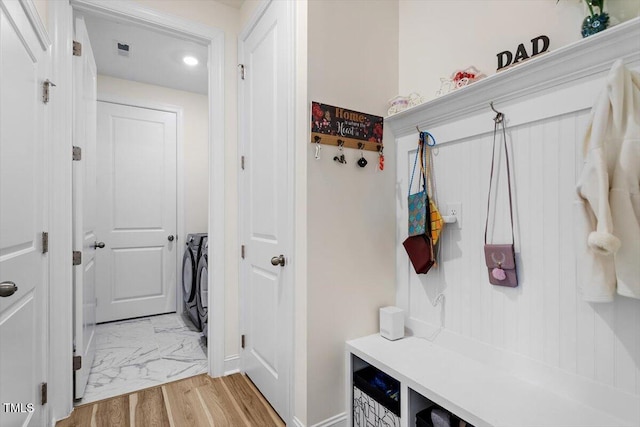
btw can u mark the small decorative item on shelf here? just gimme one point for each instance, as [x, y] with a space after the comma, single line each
[461, 78]
[401, 103]
[415, 99]
[397, 104]
[445, 86]
[596, 21]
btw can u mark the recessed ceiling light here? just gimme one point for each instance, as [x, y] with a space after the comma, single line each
[190, 60]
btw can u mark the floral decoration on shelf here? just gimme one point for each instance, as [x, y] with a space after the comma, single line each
[401, 103]
[597, 20]
[458, 79]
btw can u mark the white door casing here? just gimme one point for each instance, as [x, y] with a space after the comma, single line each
[23, 341]
[266, 206]
[84, 206]
[137, 180]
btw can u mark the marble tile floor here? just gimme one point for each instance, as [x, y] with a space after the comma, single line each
[140, 353]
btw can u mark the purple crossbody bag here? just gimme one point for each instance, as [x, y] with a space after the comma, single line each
[500, 259]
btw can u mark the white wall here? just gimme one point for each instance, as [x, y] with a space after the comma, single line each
[227, 19]
[196, 151]
[438, 37]
[352, 62]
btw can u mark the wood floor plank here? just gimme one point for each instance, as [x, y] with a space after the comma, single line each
[272, 412]
[186, 408]
[221, 405]
[80, 417]
[198, 401]
[112, 413]
[149, 409]
[248, 401]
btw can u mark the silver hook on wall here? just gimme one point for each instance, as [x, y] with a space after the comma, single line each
[499, 116]
[318, 147]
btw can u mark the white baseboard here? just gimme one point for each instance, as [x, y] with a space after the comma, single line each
[339, 420]
[231, 364]
[296, 422]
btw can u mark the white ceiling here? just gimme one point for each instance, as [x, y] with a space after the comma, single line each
[154, 57]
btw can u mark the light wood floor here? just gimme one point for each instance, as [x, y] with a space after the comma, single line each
[198, 401]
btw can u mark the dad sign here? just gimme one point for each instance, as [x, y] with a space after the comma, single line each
[539, 45]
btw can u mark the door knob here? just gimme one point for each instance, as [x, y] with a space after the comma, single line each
[7, 289]
[99, 245]
[170, 238]
[278, 260]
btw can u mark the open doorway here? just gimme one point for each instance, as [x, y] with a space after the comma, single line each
[141, 214]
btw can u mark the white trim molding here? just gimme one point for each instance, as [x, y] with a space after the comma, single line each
[37, 23]
[579, 60]
[297, 423]
[133, 12]
[231, 364]
[60, 378]
[339, 420]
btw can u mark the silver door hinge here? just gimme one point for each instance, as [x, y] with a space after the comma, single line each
[77, 257]
[45, 242]
[46, 85]
[43, 393]
[241, 68]
[77, 48]
[77, 153]
[242, 251]
[242, 341]
[77, 363]
[242, 162]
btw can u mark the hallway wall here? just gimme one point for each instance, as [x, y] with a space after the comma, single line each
[352, 63]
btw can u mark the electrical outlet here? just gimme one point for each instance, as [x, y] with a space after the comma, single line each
[455, 209]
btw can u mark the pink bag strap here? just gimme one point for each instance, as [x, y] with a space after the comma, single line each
[499, 120]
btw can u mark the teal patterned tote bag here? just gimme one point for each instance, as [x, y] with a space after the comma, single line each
[418, 202]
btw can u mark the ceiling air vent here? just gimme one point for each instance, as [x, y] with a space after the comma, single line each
[122, 49]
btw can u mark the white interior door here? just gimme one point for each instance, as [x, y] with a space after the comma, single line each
[137, 211]
[84, 206]
[266, 208]
[23, 268]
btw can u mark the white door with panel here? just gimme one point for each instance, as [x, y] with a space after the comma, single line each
[137, 211]
[266, 185]
[85, 239]
[23, 266]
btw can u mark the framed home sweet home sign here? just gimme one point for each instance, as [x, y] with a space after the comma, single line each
[335, 125]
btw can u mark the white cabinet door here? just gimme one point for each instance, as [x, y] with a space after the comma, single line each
[266, 208]
[84, 206]
[22, 213]
[137, 217]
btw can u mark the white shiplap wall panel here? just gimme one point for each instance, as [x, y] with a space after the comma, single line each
[545, 318]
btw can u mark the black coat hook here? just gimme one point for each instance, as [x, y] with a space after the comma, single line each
[499, 116]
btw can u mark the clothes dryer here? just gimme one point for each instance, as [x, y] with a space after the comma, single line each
[190, 259]
[202, 285]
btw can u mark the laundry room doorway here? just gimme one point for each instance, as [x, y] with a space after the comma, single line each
[154, 116]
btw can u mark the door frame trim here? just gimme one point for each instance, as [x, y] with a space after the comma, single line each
[291, 174]
[61, 28]
[180, 212]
